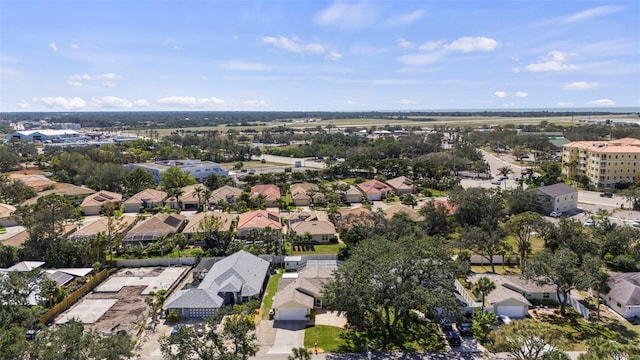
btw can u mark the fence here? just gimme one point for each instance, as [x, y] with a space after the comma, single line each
[74, 296]
[156, 262]
[465, 295]
[577, 305]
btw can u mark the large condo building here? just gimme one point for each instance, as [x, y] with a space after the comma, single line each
[606, 163]
[200, 170]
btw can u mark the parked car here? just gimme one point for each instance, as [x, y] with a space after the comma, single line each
[556, 214]
[607, 195]
[635, 223]
[465, 329]
[446, 325]
[32, 333]
[496, 182]
[589, 223]
[453, 338]
[504, 319]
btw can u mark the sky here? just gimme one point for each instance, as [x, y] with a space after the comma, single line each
[308, 55]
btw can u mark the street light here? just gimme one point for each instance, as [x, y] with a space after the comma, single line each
[315, 345]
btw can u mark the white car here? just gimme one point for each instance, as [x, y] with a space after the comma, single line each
[556, 214]
[496, 182]
[589, 223]
[635, 223]
[504, 319]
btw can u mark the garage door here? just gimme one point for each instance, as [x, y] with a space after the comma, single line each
[634, 311]
[511, 311]
[292, 314]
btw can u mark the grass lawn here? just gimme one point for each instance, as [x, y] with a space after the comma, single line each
[502, 270]
[327, 337]
[328, 249]
[191, 252]
[267, 300]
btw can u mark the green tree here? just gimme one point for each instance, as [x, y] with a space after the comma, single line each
[632, 195]
[482, 288]
[155, 301]
[383, 281]
[8, 159]
[610, 349]
[522, 226]
[435, 219]
[483, 323]
[238, 329]
[137, 180]
[409, 200]
[527, 339]
[299, 353]
[485, 241]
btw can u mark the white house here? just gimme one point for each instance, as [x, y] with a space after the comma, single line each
[558, 197]
[199, 169]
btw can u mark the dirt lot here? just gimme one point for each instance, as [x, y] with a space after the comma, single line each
[129, 310]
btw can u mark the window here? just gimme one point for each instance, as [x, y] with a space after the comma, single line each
[545, 295]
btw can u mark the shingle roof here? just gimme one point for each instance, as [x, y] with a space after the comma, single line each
[147, 196]
[401, 183]
[159, 224]
[6, 210]
[402, 209]
[241, 272]
[224, 193]
[557, 190]
[625, 288]
[501, 292]
[225, 219]
[315, 227]
[101, 225]
[302, 290]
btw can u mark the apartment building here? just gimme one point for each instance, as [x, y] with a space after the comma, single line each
[199, 169]
[606, 163]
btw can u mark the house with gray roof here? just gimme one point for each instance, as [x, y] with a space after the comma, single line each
[558, 197]
[624, 296]
[235, 279]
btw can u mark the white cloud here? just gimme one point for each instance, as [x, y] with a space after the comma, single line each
[53, 47]
[235, 37]
[24, 105]
[601, 102]
[346, 15]
[564, 104]
[191, 102]
[522, 94]
[430, 45]
[422, 59]
[469, 44]
[112, 102]
[592, 13]
[108, 80]
[511, 104]
[580, 85]
[404, 43]
[80, 77]
[74, 83]
[256, 103]
[141, 103]
[334, 55]
[405, 19]
[405, 102]
[293, 45]
[74, 103]
[500, 94]
[75, 46]
[515, 69]
[553, 61]
[244, 66]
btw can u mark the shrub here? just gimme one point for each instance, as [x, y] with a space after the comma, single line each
[172, 316]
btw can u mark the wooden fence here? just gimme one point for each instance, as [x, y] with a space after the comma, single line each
[74, 296]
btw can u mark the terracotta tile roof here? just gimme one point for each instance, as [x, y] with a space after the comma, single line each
[402, 209]
[224, 193]
[271, 192]
[373, 186]
[401, 183]
[159, 223]
[192, 226]
[315, 227]
[259, 219]
[451, 208]
[6, 210]
[101, 225]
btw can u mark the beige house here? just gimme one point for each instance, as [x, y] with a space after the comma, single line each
[145, 199]
[320, 231]
[225, 221]
[92, 204]
[270, 192]
[305, 194]
[402, 185]
[6, 217]
[225, 193]
[120, 225]
[256, 220]
[189, 199]
[402, 209]
[351, 195]
[154, 227]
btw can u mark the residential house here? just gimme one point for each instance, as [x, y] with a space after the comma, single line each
[624, 296]
[6, 215]
[121, 225]
[306, 194]
[256, 220]
[75, 194]
[293, 218]
[374, 190]
[270, 192]
[448, 207]
[191, 198]
[402, 185]
[299, 293]
[235, 279]
[145, 199]
[351, 195]
[512, 294]
[225, 221]
[154, 227]
[558, 197]
[402, 209]
[319, 231]
[19, 238]
[93, 203]
[225, 193]
[605, 163]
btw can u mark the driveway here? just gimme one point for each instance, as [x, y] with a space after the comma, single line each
[289, 334]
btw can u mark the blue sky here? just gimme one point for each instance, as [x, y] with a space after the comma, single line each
[117, 55]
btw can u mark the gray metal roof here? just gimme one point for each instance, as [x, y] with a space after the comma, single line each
[557, 190]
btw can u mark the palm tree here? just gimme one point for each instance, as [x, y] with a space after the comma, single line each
[199, 191]
[483, 287]
[300, 353]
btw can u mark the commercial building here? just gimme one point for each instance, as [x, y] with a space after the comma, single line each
[45, 135]
[605, 163]
[199, 169]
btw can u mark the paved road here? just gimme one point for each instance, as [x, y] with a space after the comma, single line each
[290, 161]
